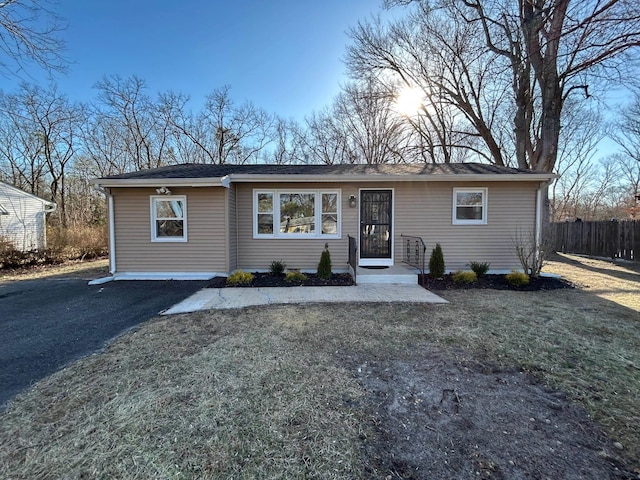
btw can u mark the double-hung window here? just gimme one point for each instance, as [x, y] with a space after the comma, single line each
[296, 214]
[169, 218]
[469, 206]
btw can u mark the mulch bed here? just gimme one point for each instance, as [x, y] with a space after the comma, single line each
[269, 280]
[496, 282]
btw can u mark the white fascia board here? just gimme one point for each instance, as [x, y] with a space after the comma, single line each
[293, 178]
[161, 182]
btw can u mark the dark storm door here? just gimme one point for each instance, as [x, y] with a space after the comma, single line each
[376, 233]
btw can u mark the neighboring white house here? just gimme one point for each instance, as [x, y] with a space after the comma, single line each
[22, 218]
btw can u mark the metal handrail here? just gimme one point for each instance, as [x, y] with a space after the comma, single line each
[353, 257]
[414, 252]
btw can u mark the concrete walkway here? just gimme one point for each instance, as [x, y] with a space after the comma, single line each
[225, 298]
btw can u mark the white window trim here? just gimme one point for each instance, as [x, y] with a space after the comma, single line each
[317, 211]
[482, 190]
[155, 238]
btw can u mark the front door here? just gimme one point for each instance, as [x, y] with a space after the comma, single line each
[376, 227]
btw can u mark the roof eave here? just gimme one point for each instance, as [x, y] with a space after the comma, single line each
[161, 182]
[323, 178]
[485, 177]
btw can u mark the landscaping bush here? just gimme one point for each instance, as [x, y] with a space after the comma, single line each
[324, 267]
[240, 278]
[480, 268]
[295, 276]
[277, 267]
[517, 279]
[464, 277]
[436, 262]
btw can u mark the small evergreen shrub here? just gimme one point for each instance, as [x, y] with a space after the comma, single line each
[517, 279]
[324, 267]
[240, 278]
[464, 277]
[480, 268]
[295, 276]
[436, 262]
[277, 267]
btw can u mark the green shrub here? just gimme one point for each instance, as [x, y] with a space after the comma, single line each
[464, 277]
[277, 267]
[240, 278]
[295, 276]
[324, 267]
[436, 262]
[480, 268]
[516, 278]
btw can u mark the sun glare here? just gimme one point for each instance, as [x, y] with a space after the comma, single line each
[409, 101]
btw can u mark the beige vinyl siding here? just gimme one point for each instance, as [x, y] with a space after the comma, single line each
[424, 209]
[232, 229]
[205, 249]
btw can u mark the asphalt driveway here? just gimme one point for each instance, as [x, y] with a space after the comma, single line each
[47, 323]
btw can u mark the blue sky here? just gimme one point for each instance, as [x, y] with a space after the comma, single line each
[283, 55]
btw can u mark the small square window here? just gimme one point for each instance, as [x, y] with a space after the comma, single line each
[169, 218]
[469, 206]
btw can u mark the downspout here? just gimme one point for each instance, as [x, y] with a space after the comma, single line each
[47, 208]
[112, 233]
[538, 224]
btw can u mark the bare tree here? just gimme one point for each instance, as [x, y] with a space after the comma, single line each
[547, 50]
[442, 55]
[287, 147]
[625, 130]
[553, 47]
[40, 128]
[578, 173]
[127, 118]
[30, 35]
[324, 139]
[20, 149]
[223, 132]
[376, 134]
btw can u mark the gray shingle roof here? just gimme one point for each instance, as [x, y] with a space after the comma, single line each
[192, 170]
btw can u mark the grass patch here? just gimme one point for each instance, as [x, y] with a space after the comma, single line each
[269, 393]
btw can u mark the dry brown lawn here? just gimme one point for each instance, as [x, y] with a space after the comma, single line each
[286, 391]
[88, 269]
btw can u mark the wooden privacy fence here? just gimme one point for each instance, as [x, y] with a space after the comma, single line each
[614, 239]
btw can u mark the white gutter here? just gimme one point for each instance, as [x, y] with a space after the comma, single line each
[538, 224]
[160, 182]
[318, 178]
[112, 235]
[292, 178]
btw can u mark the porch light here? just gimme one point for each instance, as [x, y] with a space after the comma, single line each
[352, 201]
[163, 191]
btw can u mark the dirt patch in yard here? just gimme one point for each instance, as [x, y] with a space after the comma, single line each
[438, 415]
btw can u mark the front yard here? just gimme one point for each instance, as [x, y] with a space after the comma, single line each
[497, 384]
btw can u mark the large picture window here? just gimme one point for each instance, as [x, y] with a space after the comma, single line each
[169, 218]
[296, 214]
[469, 206]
